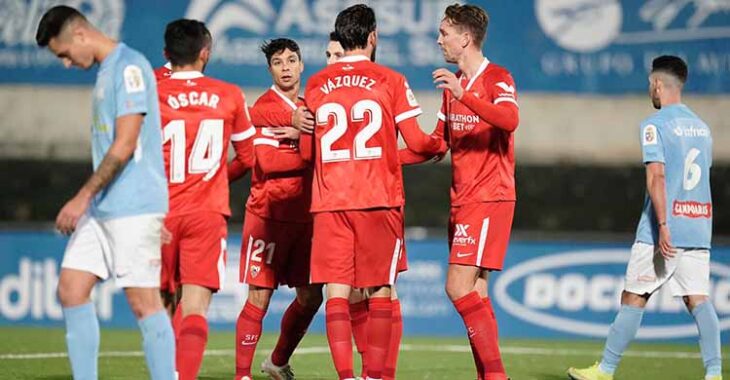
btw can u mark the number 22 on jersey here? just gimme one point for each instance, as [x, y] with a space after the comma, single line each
[205, 155]
[339, 114]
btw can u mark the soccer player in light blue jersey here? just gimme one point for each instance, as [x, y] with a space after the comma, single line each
[672, 244]
[115, 219]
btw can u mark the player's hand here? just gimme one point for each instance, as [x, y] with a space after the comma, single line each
[285, 133]
[71, 212]
[165, 235]
[303, 120]
[665, 243]
[447, 80]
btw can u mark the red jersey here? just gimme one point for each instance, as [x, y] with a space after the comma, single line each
[482, 154]
[279, 191]
[200, 116]
[163, 72]
[357, 105]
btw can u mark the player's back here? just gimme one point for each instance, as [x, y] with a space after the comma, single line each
[677, 137]
[199, 115]
[357, 104]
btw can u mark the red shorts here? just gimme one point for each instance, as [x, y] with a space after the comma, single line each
[479, 234]
[275, 253]
[197, 253]
[360, 248]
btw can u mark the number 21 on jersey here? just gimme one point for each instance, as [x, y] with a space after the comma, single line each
[205, 155]
[360, 149]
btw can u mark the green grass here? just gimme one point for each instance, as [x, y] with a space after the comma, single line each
[424, 358]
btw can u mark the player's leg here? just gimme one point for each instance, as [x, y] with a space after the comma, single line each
[248, 328]
[83, 266]
[646, 272]
[294, 324]
[396, 333]
[136, 254]
[380, 328]
[359, 321]
[333, 264]
[479, 236]
[258, 253]
[293, 266]
[201, 266]
[691, 281]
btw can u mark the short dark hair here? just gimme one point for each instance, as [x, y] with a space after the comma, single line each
[354, 25]
[470, 17]
[672, 65]
[53, 22]
[334, 37]
[184, 39]
[278, 45]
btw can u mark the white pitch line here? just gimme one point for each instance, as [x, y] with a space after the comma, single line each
[318, 350]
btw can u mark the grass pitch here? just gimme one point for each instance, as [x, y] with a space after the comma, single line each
[39, 353]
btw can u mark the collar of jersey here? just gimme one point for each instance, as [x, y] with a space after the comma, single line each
[284, 98]
[186, 75]
[353, 58]
[112, 56]
[479, 72]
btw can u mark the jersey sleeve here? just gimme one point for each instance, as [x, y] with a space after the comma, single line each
[241, 136]
[405, 105]
[131, 88]
[503, 89]
[652, 148]
[262, 117]
[499, 108]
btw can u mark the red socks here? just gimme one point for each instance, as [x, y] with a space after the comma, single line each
[379, 331]
[294, 325]
[359, 320]
[248, 332]
[191, 342]
[391, 363]
[339, 335]
[481, 329]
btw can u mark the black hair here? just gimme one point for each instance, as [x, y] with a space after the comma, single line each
[354, 25]
[334, 37]
[278, 45]
[53, 22]
[671, 65]
[184, 39]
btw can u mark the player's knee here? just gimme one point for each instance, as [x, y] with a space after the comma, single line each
[455, 290]
[259, 298]
[693, 301]
[310, 299]
[70, 295]
[143, 303]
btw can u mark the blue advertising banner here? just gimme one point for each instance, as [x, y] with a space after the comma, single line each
[548, 290]
[585, 46]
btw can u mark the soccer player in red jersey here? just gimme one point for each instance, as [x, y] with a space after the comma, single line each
[277, 231]
[200, 115]
[357, 191]
[478, 116]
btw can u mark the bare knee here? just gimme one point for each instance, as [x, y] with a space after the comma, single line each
[74, 287]
[692, 301]
[144, 301]
[259, 297]
[310, 297]
[633, 299]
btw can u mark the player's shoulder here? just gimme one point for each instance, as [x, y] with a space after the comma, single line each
[130, 56]
[496, 73]
[657, 119]
[266, 99]
[385, 72]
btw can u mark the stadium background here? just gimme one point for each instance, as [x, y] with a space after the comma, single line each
[580, 68]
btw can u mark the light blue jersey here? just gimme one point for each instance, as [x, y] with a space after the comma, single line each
[125, 84]
[683, 142]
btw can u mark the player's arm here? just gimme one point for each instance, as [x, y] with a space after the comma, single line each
[500, 110]
[409, 157]
[272, 160]
[406, 110]
[652, 150]
[243, 131]
[300, 118]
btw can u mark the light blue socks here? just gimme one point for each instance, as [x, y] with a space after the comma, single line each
[622, 332]
[158, 342]
[82, 340]
[709, 328]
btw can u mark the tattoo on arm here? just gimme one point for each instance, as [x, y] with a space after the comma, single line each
[108, 169]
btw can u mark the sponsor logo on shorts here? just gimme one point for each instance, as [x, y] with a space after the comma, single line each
[692, 209]
[461, 255]
[255, 269]
[462, 236]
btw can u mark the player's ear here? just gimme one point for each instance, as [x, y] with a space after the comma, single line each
[373, 38]
[204, 54]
